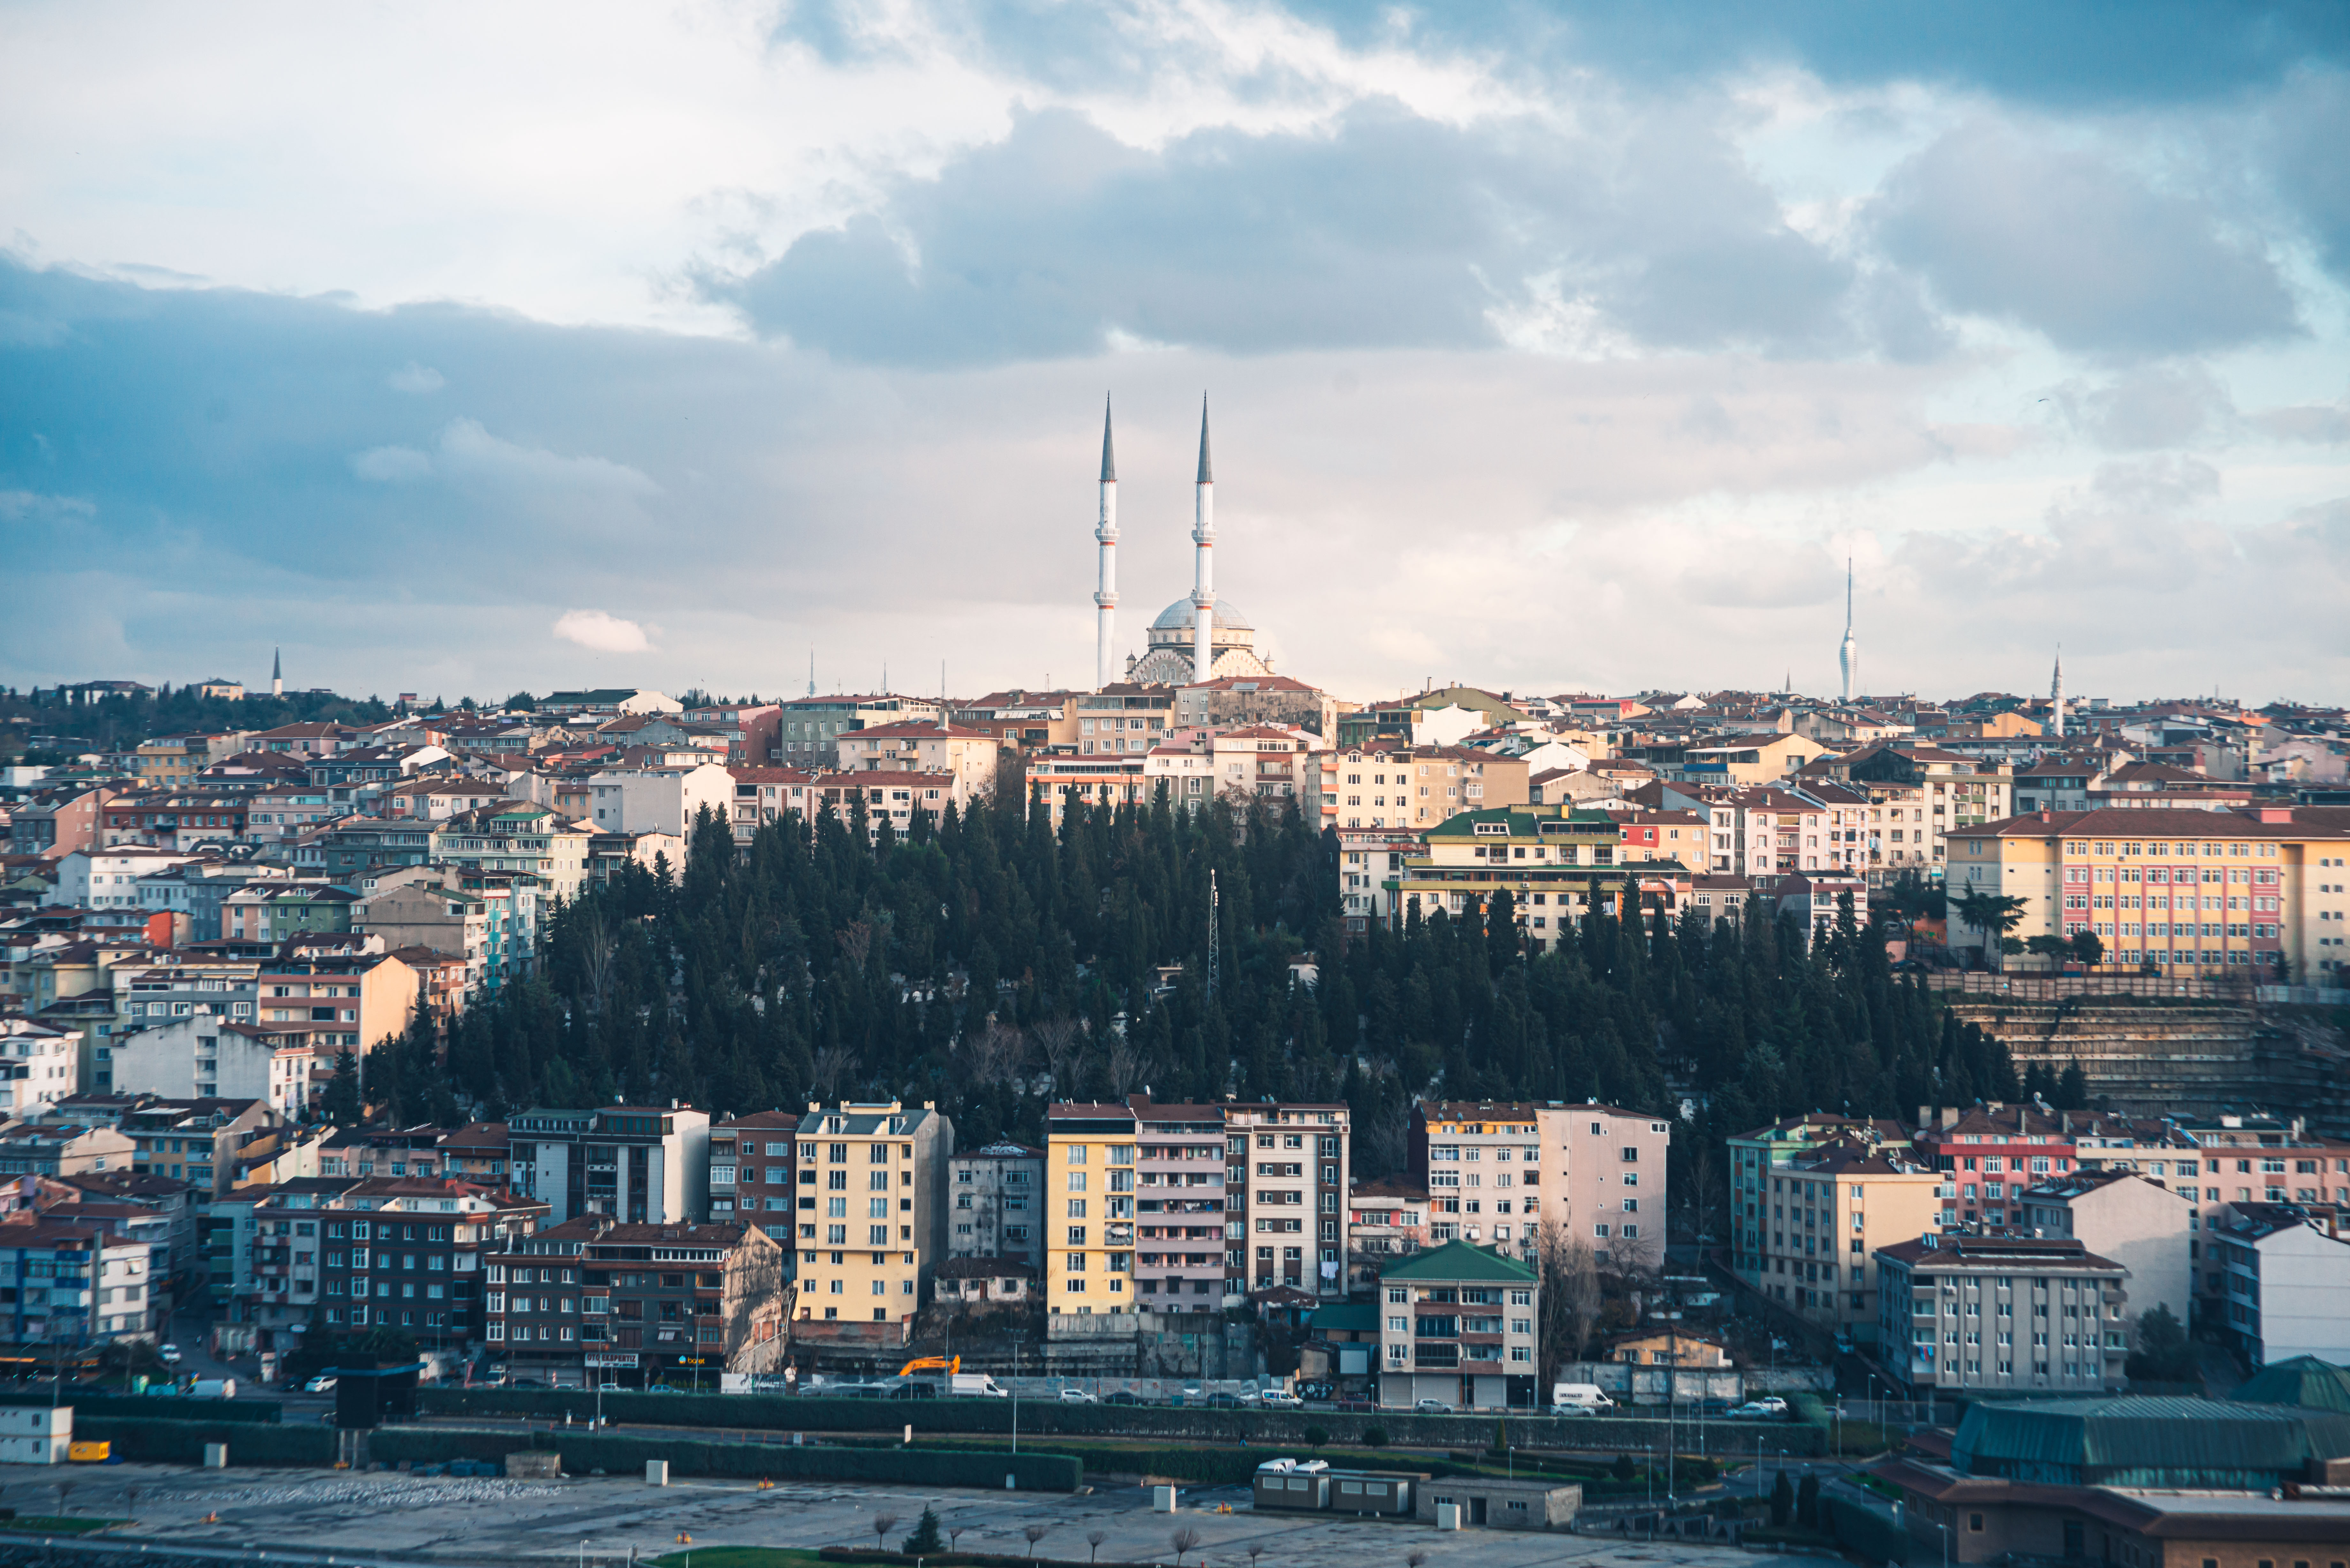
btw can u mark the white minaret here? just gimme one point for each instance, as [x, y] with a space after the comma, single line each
[1203, 539]
[1106, 591]
[276, 672]
[2056, 696]
[1848, 651]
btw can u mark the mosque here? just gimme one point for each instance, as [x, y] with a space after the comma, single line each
[1196, 638]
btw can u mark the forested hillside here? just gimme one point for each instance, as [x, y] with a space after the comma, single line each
[991, 963]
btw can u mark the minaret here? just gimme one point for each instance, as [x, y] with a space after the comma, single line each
[811, 671]
[1848, 651]
[277, 672]
[1203, 540]
[1105, 592]
[2056, 696]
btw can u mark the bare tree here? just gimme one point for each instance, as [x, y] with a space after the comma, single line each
[883, 1523]
[1035, 1532]
[1186, 1538]
[1094, 1539]
[833, 1065]
[1256, 1551]
[1386, 1138]
[856, 940]
[993, 1053]
[1414, 1559]
[599, 950]
[954, 1535]
[1123, 1067]
[1571, 1298]
[1058, 1038]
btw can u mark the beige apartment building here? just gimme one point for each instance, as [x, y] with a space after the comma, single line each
[1825, 1217]
[2002, 1314]
[1122, 719]
[1416, 787]
[2240, 894]
[1088, 1208]
[2142, 1225]
[1498, 1173]
[1553, 862]
[969, 755]
[877, 1174]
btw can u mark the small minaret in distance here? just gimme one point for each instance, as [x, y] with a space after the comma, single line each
[1203, 540]
[277, 672]
[2056, 696]
[1848, 651]
[1106, 591]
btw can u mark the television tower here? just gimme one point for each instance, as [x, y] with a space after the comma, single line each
[1848, 651]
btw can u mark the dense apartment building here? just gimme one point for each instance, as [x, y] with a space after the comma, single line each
[1384, 1220]
[1822, 1218]
[1500, 1172]
[1188, 1203]
[2249, 893]
[1418, 787]
[1995, 1312]
[998, 1193]
[640, 1163]
[1458, 1325]
[1990, 1153]
[1089, 1193]
[593, 1301]
[872, 1222]
[1290, 1166]
[1552, 861]
[751, 1165]
[384, 1252]
[73, 1282]
[2139, 1223]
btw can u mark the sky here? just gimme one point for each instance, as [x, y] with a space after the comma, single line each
[464, 349]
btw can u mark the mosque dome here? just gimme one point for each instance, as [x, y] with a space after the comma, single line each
[1178, 617]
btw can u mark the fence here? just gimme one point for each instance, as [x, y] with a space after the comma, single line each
[2057, 987]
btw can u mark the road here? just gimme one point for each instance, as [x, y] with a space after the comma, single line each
[388, 1518]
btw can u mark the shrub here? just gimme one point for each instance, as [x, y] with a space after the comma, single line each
[1783, 1499]
[1623, 1470]
[1375, 1436]
[1807, 1503]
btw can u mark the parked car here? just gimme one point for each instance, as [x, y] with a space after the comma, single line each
[1753, 1410]
[1123, 1397]
[1434, 1407]
[169, 1354]
[1282, 1399]
[1225, 1402]
[322, 1384]
[1077, 1397]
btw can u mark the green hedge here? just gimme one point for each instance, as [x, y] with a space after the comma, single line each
[1267, 1429]
[623, 1453]
[167, 1407]
[182, 1442]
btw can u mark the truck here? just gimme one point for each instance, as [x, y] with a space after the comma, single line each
[977, 1384]
[1584, 1397]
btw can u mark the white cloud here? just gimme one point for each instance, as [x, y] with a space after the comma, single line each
[468, 453]
[415, 378]
[603, 632]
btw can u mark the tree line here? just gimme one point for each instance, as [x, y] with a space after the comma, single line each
[989, 961]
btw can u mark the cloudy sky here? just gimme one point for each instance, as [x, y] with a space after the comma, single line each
[462, 348]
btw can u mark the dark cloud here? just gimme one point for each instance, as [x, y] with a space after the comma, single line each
[1387, 231]
[2308, 156]
[2077, 249]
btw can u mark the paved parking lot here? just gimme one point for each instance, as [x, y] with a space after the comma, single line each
[391, 1518]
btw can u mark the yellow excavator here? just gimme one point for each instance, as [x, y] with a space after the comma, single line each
[931, 1364]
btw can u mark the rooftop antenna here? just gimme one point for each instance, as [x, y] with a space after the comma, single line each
[1213, 955]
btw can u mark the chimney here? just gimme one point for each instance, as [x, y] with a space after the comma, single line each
[1925, 1116]
[1949, 1117]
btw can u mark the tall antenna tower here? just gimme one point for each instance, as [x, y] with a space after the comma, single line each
[1213, 920]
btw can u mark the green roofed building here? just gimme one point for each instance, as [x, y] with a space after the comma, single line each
[2200, 1444]
[2304, 1381]
[1556, 864]
[1456, 1326]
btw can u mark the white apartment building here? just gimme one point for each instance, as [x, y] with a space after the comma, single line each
[2142, 1225]
[108, 878]
[40, 1065]
[2284, 1281]
[213, 1058]
[641, 1164]
[658, 800]
[1288, 1168]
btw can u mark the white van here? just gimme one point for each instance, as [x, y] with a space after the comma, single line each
[1587, 1397]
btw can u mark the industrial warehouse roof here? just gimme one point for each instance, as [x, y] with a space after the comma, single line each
[1459, 1260]
[2304, 1381]
[2146, 1442]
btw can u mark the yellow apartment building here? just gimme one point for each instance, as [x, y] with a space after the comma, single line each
[872, 1203]
[1088, 1217]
